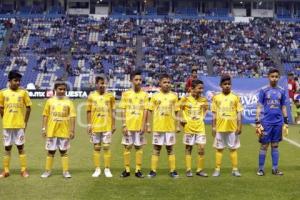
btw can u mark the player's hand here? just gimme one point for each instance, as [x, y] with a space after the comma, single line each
[125, 131]
[44, 133]
[72, 135]
[143, 130]
[285, 130]
[113, 129]
[178, 129]
[213, 132]
[182, 123]
[149, 128]
[89, 129]
[238, 131]
[259, 130]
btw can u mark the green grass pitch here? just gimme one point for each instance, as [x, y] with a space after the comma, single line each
[83, 186]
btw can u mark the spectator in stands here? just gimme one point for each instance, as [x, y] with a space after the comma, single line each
[189, 81]
[292, 86]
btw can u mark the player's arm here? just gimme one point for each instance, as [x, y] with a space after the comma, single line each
[239, 123]
[44, 125]
[213, 124]
[1, 111]
[113, 114]
[27, 114]
[72, 127]
[89, 121]
[259, 127]
[149, 118]
[182, 103]
[144, 122]
[177, 120]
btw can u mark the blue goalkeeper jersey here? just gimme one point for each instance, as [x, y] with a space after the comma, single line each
[272, 99]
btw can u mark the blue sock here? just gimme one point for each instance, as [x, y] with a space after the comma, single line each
[262, 158]
[275, 158]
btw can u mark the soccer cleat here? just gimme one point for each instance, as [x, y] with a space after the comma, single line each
[236, 173]
[216, 173]
[174, 174]
[67, 174]
[96, 173]
[260, 172]
[25, 174]
[46, 174]
[4, 174]
[139, 174]
[277, 172]
[107, 173]
[202, 174]
[125, 174]
[151, 174]
[189, 173]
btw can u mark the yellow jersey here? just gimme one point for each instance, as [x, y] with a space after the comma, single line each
[226, 108]
[14, 103]
[59, 112]
[134, 104]
[193, 111]
[101, 108]
[164, 106]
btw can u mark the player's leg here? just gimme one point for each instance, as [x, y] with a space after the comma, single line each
[275, 159]
[105, 138]
[200, 162]
[6, 161]
[65, 163]
[154, 160]
[262, 158]
[23, 161]
[126, 157]
[138, 161]
[49, 164]
[219, 145]
[232, 141]
[188, 160]
[107, 160]
[127, 142]
[96, 160]
[276, 138]
[172, 161]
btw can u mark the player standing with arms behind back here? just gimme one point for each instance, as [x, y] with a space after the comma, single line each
[272, 122]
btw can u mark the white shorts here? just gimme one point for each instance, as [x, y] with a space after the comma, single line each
[134, 138]
[229, 140]
[13, 136]
[97, 138]
[55, 143]
[164, 139]
[191, 139]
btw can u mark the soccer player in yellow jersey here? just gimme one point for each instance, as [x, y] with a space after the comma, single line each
[226, 125]
[101, 124]
[194, 108]
[15, 107]
[134, 113]
[58, 127]
[163, 110]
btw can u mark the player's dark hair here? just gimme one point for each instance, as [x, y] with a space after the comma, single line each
[99, 78]
[224, 78]
[164, 75]
[60, 82]
[196, 82]
[14, 74]
[194, 70]
[135, 73]
[273, 70]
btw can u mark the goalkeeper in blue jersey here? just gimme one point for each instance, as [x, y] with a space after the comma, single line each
[271, 121]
